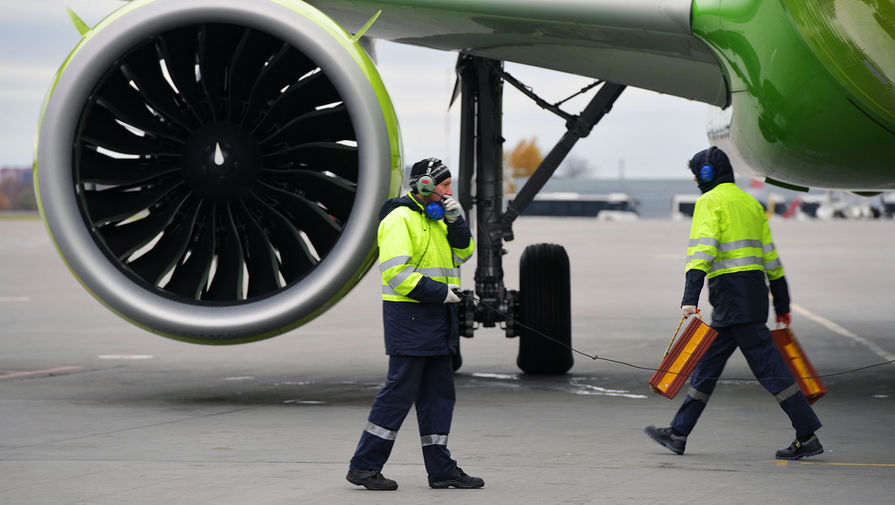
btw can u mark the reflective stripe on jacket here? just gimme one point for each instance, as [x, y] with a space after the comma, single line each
[418, 258]
[413, 248]
[730, 233]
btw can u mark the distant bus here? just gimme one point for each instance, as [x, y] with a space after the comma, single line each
[888, 200]
[579, 205]
[682, 206]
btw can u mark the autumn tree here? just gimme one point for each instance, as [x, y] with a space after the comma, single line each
[522, 161]
[5, 194]
[17, 192]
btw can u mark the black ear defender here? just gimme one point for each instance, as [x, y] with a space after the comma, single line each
[706, 171]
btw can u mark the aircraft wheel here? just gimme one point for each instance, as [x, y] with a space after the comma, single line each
[545, 306]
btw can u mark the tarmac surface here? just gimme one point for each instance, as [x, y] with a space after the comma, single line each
[96, 411]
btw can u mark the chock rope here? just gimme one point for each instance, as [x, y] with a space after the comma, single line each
[596, 357]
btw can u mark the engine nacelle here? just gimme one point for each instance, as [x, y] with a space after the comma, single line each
[213, 171]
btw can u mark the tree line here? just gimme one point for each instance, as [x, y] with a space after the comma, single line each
[525, 158]
[17, 190]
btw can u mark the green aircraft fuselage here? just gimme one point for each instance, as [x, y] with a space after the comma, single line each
[811, 84]
[810, 81]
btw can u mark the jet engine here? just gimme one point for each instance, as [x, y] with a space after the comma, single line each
[212, 171]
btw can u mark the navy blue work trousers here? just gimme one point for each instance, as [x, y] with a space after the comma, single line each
[427, 382]
[757, 346]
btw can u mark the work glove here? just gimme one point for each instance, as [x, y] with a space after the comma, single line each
[689, 310]
[451, 296]
[451, 208]
[784, 318]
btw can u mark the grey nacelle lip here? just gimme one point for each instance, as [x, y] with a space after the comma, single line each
[162, 314]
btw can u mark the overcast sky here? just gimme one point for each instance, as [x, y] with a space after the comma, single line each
[649, 134]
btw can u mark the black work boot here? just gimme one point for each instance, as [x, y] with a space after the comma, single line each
[798, 450]
[666, 437]
[459, 480]
[370, 479]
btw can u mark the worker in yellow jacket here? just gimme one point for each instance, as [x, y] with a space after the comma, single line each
[423, 240]
[731, 245]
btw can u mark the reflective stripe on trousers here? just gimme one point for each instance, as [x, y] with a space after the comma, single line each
[698, 395]
[754, 340]
[380, 432]
[433, 440]
[427, 382]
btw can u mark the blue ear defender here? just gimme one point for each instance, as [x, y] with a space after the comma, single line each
[435, 211]
[707, 172]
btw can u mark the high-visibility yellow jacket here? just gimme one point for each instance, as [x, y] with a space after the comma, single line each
[730, 233]
[418, 258]
[731, 244]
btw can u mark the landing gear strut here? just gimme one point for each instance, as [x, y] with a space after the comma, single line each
[543, 302]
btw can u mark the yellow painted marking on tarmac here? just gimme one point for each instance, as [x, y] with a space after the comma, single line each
[846, 464]
[781, 462]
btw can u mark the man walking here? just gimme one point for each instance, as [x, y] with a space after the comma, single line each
[731, 245]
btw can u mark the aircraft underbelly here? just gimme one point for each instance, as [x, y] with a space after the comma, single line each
[664, 73]
[646, 43]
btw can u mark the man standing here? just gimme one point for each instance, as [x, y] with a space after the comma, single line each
[731, 244]
[423, 239]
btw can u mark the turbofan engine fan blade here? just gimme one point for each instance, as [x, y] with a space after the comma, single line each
[214, 173]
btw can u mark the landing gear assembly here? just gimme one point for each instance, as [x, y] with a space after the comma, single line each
[542, 305]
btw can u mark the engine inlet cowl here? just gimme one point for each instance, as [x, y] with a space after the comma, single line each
[213, 172]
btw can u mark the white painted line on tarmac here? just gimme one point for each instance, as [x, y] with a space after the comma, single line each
[830, 325]
[591, 390]
[15, 299]
[502, 376]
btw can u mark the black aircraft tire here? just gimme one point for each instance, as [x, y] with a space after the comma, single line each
[544, 305]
